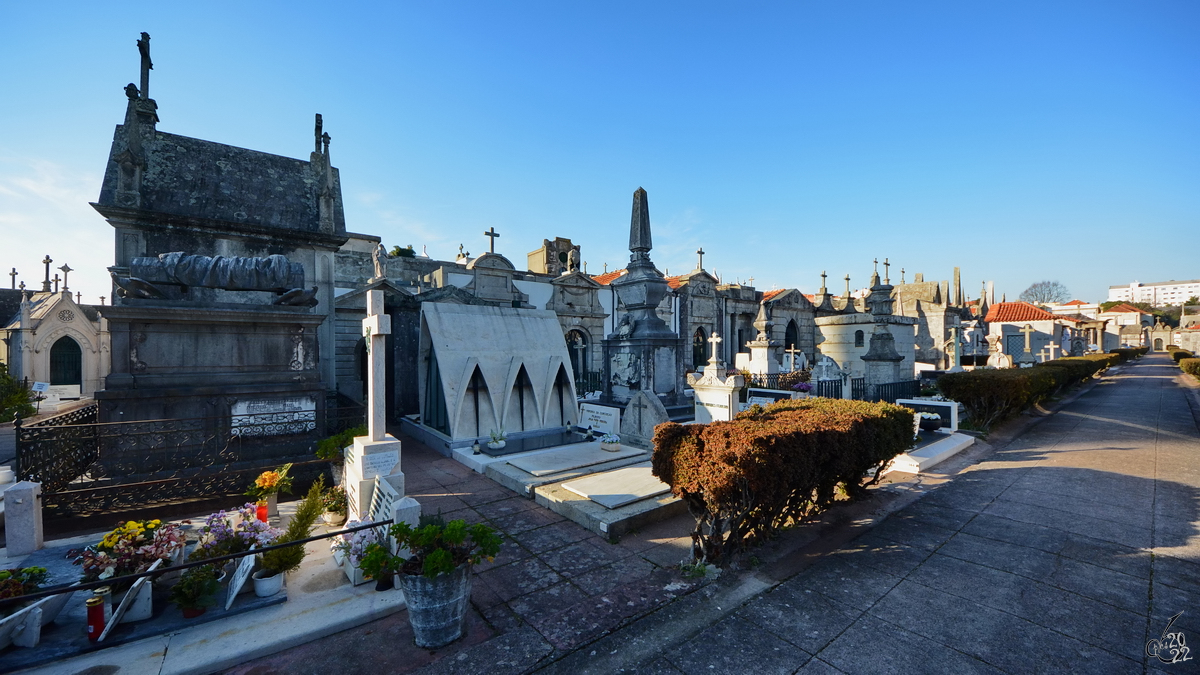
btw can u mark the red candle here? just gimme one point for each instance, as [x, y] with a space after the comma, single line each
[95, 617]
[262, 511]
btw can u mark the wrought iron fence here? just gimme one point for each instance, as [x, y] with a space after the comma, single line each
[589, 381]
[85, 466]
[777, 381]
[828, 388]
[893, 390]
[858, 388]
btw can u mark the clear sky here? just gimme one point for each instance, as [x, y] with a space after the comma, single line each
[1018, 140]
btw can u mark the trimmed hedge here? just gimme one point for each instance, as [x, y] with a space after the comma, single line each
[1180, 354]
[1129, 353]
[1190, 366]
[991, 396]
[743, 480]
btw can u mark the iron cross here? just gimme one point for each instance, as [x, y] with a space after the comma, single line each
[13, 274]
[700, 253]
[491, 232]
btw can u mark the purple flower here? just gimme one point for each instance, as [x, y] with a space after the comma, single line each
[802, 386]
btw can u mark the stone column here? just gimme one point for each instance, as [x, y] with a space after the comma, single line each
[23, 518]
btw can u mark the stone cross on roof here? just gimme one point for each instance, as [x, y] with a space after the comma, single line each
[823, 282]
[886, 271]
[65, 269]
[700, 261]
[491, 233]
[46, 284]
[147, 65]
[13, 274]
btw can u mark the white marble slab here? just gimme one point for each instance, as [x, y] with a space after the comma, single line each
[570, 457]
[614, 489]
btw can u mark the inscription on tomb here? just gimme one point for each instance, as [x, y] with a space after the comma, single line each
[273, 416]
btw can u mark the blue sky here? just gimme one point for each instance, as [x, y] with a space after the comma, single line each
[1020, 141]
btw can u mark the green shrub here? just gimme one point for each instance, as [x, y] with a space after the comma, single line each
[990, 396]
[1190, 366]
[743, 480]
[15, 399]
[1180, 354]
[331, 448]
[1129, 353]
[288, 559]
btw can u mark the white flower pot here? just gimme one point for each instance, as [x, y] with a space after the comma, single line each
[610, 447]
[332, 518]
[264, 586]
[496, 445]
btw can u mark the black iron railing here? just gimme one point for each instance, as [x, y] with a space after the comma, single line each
[828, 388]
[893, 390]
[589, 381]
[858, 388]
[777, 381]
[88, 466]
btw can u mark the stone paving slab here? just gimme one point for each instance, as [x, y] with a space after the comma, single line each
[616, 488]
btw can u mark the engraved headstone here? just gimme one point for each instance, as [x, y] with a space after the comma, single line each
[245, 568]
[135, 603]
[601, 419]
[642, 414]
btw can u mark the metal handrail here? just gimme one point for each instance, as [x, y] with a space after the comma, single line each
[197, 563]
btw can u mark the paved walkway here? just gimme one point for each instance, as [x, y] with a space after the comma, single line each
[1066, 550]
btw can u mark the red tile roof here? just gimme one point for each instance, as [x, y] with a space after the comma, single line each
[1074, 302]
[1126, 307]
[1018, 311]
[770, 295]
[607, 278]
[675, 281]
[811, 298]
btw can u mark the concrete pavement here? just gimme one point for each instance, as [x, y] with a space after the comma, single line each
[1065, 550]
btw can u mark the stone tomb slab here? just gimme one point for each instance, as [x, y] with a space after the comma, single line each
[614, 489]
[574, 457]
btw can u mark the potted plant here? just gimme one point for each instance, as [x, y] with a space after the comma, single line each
[610, 442]
[17, 582]
[436, 577]
[379, 563]
[333, 448]
[497, 441]
[335, 504]
[930, 421]
[802, 389]
[268, 485]
[275, 563]
[196, 590]
[129, 549]
[229, 532]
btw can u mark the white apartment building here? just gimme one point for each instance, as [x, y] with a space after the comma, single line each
[1159, 293]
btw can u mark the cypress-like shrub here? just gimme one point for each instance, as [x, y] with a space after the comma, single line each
[743, 480]
[1190, 366]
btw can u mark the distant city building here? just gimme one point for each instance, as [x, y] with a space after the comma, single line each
[1159, 293]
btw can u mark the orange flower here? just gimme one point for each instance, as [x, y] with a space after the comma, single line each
[268, 479]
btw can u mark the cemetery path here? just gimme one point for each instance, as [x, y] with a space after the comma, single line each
[1067, 549]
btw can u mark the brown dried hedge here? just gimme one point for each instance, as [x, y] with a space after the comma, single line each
[745, 479]
[1190, 366]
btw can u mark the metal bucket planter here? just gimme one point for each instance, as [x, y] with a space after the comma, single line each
[437, 607]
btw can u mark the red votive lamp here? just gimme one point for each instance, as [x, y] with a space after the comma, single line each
[95, 617]
[262, 511]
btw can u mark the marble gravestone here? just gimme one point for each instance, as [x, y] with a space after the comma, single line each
[642, 414]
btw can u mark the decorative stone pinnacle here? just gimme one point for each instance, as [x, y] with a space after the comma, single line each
[639, 225]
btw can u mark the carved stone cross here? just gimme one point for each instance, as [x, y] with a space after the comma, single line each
[46, 284]
[376, 327]
[55, 283]
[1027, 330]
[715, 340]
[1043, 354]
[700, 254]
[13, 274]
[492, 234]
[887, 271]
[793, 352]
[65, 269]
[639, 406]
[1053, 347]
[147, 64]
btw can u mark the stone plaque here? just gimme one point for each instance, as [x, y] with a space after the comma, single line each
[130, 597]
[379, 463]
[241, 573]
[273, 416]
[383, 498]
[602, 419]
[664, 370]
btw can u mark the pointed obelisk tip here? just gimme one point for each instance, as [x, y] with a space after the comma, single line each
[639, 226]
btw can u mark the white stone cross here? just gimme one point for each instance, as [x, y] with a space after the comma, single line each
[715, 339]
[792, 351]
[1027, 330]
[1043, 354]
[1053, 347]
[376, 327]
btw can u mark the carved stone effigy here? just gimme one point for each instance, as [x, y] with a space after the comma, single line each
[273, 273]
